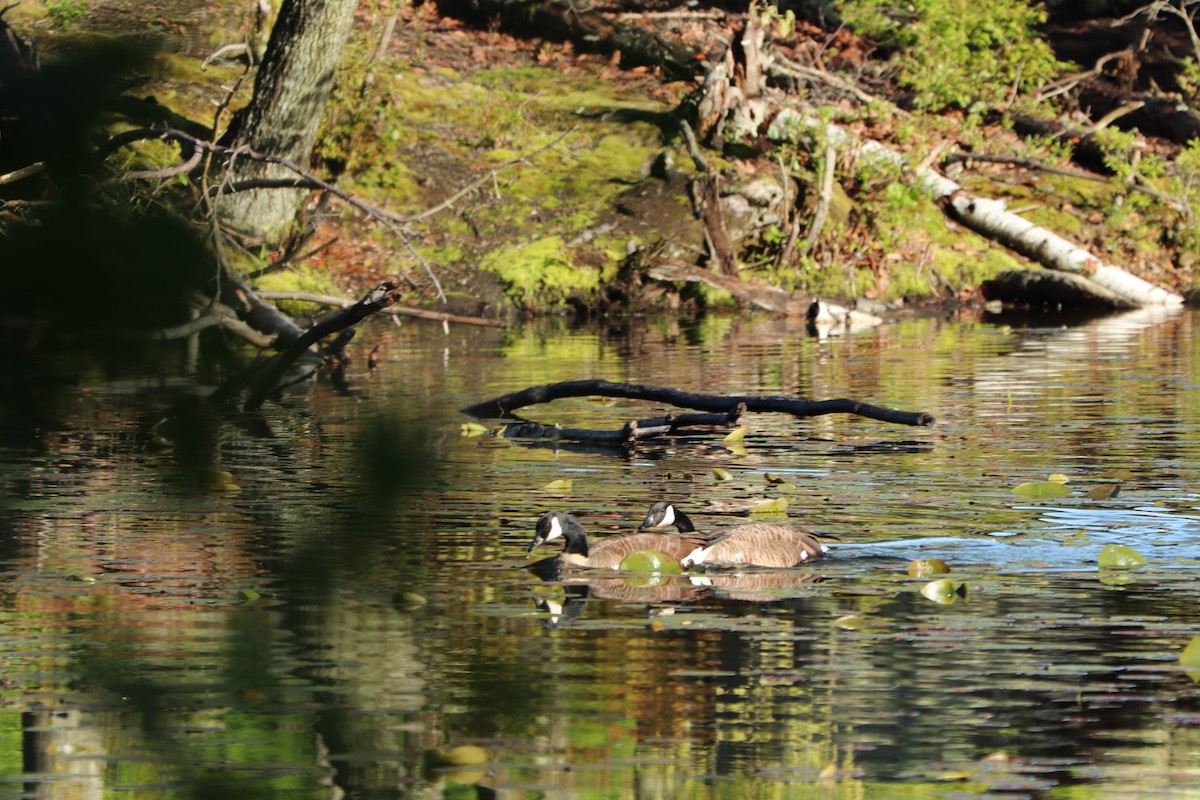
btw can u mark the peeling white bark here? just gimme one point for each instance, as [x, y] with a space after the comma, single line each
[989, 217]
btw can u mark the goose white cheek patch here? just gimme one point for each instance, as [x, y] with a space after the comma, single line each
[555, 530]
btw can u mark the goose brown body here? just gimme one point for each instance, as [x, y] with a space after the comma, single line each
[757, 544]
[610, 551]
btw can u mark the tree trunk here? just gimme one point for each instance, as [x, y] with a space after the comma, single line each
[290, 92]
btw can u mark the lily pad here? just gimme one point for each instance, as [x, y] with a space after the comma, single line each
[774, 506]
[219, 480]
[854, 622]
[561, 485]
[1058, 477]
[473, 429]
[736, 435]
[944, 591]
[466, 755]
[1102, 492]
[1189, 659]
[1041, 490]
[1120, 556]
[924, 567]
[650, 562]
[722, 474]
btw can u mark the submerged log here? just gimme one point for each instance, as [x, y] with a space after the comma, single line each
[268, 378]
[630, 433]
[502, 407]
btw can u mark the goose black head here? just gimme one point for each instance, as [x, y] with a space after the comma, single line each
[559, 525]
[664, 515]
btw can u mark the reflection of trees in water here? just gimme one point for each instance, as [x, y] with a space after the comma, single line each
[777, 689]
[68, 745]
[123, 612]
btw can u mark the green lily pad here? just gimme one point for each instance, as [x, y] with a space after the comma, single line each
[774, 506]
[647, 581]
[1041, 490]
[855, 622]
[924, 567]
[944, 591]
[473, 429]
[1189, 659]
[736, 435]
[650, 562]
[1102, 492]
[466, 755]
[562, 485]
[1120, 556]
[722, 474]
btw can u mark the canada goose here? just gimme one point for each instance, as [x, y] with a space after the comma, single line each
[609, 552]
[755, 544]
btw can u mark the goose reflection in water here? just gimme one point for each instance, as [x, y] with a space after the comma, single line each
[661, 594]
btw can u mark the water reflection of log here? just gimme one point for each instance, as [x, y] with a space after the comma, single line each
[629, 433]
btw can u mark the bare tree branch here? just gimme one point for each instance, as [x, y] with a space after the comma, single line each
[345, 302]
[503, 406]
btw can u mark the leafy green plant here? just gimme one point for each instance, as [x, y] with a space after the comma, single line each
[66, 13]
[959, 52]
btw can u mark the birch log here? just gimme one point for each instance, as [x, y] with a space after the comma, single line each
[990, 218]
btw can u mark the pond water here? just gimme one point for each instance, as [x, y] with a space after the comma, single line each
[333, 600]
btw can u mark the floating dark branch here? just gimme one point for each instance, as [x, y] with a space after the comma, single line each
[630, 433]
[379, 298]
[501, 407]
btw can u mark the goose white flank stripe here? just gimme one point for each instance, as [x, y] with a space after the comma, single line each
[755, 544]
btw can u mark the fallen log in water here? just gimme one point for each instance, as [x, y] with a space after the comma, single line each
[502, 407]
[1051, 287]
[988, 217]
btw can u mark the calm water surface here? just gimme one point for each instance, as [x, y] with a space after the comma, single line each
[347, 612]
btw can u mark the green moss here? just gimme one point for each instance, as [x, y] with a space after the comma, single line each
[298, 279]
[542, 273]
